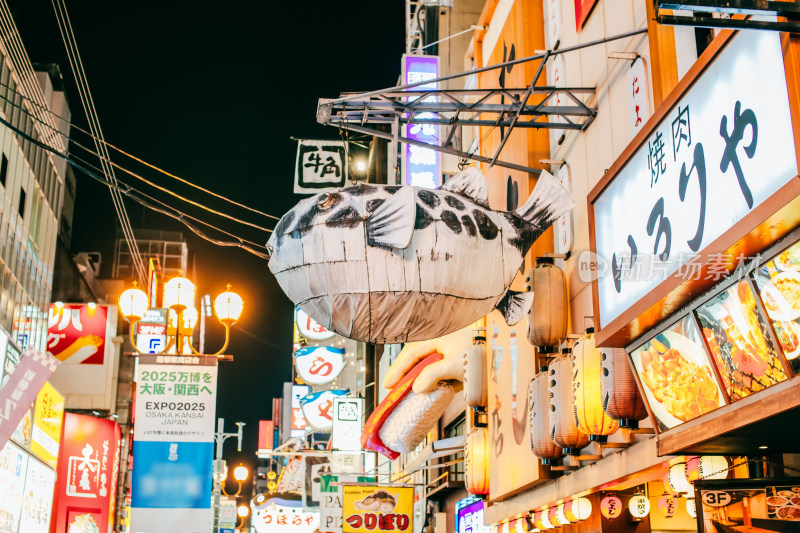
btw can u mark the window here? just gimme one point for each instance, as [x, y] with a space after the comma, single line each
[21, 206]
[455, 429]
[3, 170]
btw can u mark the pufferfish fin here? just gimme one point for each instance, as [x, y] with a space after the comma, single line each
[514, 305]
[471, 183]
[548, 201]
[392, 224]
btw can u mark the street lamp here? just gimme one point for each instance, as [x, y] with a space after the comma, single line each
[179, 298]
[243, 511]
[240, 473]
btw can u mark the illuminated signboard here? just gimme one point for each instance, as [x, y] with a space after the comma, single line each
[319, 365]
[310, 328]
[421, 165]
[723, 149]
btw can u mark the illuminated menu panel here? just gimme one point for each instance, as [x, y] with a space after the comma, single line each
[739, 342]
[676, 375]
[778, 281]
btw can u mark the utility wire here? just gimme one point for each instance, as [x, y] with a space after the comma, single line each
[139, 177]
[136, 196]
[72, 125]
[68, 37]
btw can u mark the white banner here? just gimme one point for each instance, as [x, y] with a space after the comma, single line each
[176, 398]
[347, 424]
[321, 166]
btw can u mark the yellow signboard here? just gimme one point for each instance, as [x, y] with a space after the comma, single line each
[367, 508]
[47, 420]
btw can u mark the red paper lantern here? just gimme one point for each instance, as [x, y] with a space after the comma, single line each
[542, 443]
[611, 506]
[590, 416]
[563, 428]
[621, 398]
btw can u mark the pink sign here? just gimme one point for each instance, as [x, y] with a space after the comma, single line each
[20, 391]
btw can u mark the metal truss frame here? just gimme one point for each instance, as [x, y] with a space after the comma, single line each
[788, 14]
[534, 106]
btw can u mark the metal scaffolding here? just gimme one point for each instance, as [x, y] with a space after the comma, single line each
[534, 106]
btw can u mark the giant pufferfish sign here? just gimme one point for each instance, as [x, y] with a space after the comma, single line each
[389, 264]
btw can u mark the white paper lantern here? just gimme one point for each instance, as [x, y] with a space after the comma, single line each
[676, 480]
[578, 509]
[590, 416]
[547, 319]
[542, 443]
[476, 372]
[691, 508]
[639, 506]
[707, 467]
[563, 429]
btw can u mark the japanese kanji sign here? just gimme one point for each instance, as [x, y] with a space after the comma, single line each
[421, 165]
[47, 423]
[717, 154]
[321, 166]
[20, 390]
[370, 508]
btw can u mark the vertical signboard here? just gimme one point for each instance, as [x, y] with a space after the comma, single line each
[266, 432]
[151, 331]
[21, 389]
[370, 508]
[13, 468]
[86, 487]
[80, 337]
[173, 443]
[48, 416]
[298, 421]
[421, 165]
[347, 424]
[37, 500]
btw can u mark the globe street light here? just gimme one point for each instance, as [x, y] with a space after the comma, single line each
[179, 298]
[240, 473]
[243, 511]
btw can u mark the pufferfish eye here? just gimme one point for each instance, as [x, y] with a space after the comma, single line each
[325, 200]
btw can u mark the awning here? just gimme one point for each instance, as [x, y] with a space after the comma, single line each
[435, 450]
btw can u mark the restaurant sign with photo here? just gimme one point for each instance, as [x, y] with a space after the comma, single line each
[748, 505]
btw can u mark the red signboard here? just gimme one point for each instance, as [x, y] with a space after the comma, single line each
[582, 10]
[88, 466]
[265, 434]
[77, 333]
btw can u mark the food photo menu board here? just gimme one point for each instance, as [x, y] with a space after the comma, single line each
[734, 505]
[778, 281]
[676, 375]
[742, 339]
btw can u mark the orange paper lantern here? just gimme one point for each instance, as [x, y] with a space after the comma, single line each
[590, 416]
[668, 505]
[547, 318]
[621, 398]
[476, 461]
[542, 444]
[563, 428]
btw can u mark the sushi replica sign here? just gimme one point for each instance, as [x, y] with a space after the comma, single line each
[390, 264]
[369, 508]
[721, 151]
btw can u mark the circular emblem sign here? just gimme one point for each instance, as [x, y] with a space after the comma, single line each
[716, 498]
[319, 365]
[310, 328]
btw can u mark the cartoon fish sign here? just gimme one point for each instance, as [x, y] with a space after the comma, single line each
[318, 408]
[389, 264]
[319, 365]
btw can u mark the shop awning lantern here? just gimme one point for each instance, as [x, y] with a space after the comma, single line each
[675, 480]
[541, 520]
[476, 461]
[547, 318]
[578, 509]
[561, 515]
[552, 516]
[621, 398]
[476, 372]
[691, 507]
[590, 416]
[707, 467]
[668, 505]
[639, 506]
[539, 413]
[611, 506]
[563, 428]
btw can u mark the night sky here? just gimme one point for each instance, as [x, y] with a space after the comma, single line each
[212, 92]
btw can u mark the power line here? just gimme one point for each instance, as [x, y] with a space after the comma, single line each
[68, 37]
[133, 194]
[143, 179]
[127, 154]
